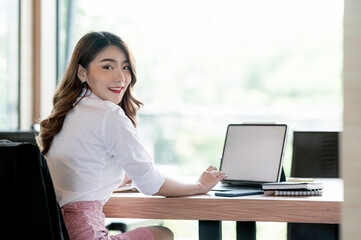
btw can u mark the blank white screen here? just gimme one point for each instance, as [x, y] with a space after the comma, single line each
[253, 153]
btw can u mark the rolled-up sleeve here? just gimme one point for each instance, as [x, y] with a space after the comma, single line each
[124, 146]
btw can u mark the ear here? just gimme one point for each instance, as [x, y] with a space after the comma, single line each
[82, 73]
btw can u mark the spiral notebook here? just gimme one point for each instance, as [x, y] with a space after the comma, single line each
[298, 193]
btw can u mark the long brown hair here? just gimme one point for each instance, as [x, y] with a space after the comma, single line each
[70, 88]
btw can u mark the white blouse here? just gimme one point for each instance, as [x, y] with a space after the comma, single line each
[88, 157]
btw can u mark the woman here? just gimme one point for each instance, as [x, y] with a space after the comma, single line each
[91, 143]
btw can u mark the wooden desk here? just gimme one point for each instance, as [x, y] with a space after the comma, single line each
[317, 209]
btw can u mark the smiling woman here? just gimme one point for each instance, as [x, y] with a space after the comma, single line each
[88, 70]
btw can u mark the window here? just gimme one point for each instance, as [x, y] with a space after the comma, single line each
[203, 64]
[9, 65]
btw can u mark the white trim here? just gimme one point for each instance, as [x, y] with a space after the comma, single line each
[48, 56]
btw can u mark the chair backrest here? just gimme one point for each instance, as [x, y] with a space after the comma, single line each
[19, 136]
[28, 201]
[315, 154]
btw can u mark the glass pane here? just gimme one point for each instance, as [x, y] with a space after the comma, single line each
[9, 65]
[204, 64]
[65, 36]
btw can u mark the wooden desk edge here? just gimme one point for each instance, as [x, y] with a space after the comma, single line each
[218, 209]
[206, 207]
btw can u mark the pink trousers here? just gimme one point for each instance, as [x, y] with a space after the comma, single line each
[85, 221]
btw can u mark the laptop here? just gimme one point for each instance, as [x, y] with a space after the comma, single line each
[252, 155]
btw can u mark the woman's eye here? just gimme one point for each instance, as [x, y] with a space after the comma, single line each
[126, 67]
[108, 67]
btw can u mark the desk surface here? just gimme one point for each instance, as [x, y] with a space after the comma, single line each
[310, 209]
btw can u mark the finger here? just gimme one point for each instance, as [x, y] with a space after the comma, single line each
[211, 168]
[221, 180]
[221, 173]
[221, 177]
[218, 173]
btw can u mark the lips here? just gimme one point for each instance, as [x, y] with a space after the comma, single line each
[116, 90]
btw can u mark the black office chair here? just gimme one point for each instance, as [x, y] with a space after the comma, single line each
[28, 204]
[315, 155]
[19, 136]
[29, 136]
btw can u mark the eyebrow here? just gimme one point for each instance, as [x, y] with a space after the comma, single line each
[112, 60]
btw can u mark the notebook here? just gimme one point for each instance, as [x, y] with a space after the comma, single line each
[292, 186]
[298, 193]
[252, 155]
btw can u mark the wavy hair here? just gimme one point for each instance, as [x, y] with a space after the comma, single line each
[70, 88]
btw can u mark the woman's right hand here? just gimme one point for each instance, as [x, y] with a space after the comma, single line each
[126, 181]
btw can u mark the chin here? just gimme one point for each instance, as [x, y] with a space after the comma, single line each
[118, 101]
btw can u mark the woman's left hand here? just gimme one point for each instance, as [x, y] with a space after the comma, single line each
[210, 178]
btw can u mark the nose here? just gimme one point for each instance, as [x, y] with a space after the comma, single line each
[120, 77]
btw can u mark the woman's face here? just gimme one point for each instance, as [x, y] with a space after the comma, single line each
[108, 75]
